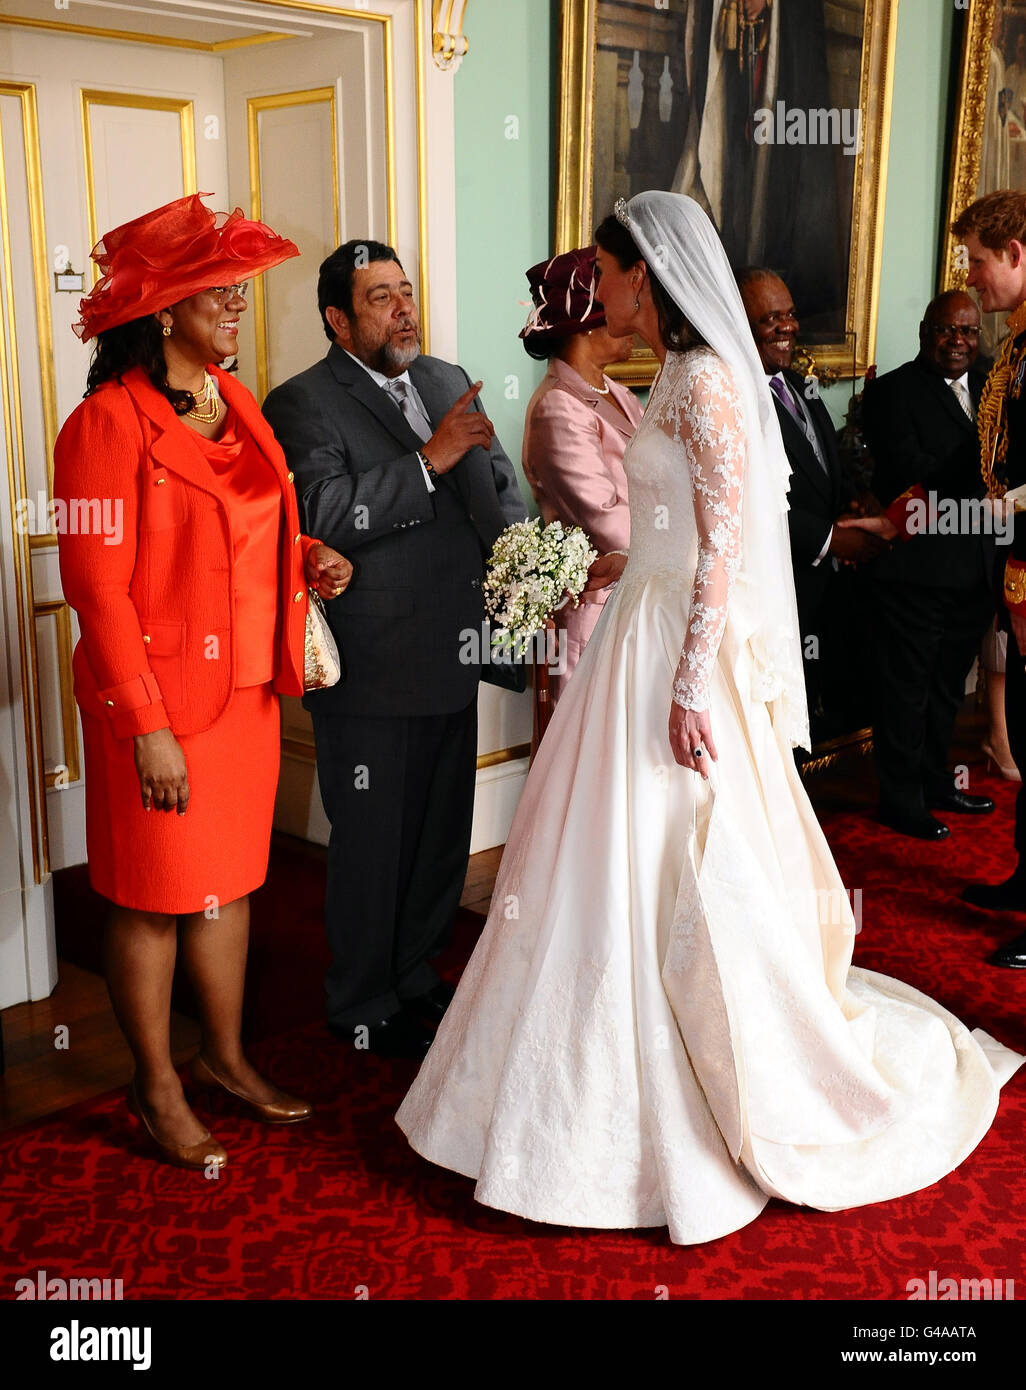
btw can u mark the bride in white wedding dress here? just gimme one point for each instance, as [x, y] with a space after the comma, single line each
[660, 1024]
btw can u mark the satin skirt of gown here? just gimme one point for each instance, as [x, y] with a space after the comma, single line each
[660, 1024]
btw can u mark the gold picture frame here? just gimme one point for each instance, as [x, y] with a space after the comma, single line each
[967, 136]
[988, 143]
[853, 348]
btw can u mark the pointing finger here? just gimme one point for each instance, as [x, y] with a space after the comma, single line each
[464, 401]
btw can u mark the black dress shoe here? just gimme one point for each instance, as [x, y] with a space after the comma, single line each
[1009, 896]
[401, 1035]
[430, 1007]
[916, 823]
[962, 802]
[1012, 954]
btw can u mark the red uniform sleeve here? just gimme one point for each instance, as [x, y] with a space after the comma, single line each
[899, 513]
[1015, 587]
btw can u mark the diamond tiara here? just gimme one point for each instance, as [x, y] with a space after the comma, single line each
[621, 213]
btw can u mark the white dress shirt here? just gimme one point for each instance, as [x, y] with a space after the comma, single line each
[813, 438]
[962, 383]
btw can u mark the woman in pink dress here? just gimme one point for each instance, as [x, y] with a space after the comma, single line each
[577, 427]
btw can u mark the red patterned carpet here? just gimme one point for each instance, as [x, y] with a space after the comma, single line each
[342, 1206]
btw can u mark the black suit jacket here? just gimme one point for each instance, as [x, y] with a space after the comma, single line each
[816, 497]
[413, 612]
[918, 433]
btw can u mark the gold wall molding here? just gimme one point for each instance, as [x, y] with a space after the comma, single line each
[135, 101]
[128, 36]
[26, 93]
[307, 753]
[448, 44]
[314, 96]
[385, 20]
[503, 755]
[17, 486]
[422, 209]
[333, 12]
[58, 609]
[825, 755]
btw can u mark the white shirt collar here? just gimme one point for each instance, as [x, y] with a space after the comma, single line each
[962, 380]
[379, 377]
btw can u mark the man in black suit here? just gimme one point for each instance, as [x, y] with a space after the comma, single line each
[820, 551]
[930, 596]
[397, 463]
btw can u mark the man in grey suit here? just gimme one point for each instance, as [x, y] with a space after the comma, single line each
[398, 467]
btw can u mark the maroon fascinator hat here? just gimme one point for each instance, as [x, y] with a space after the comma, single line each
[563, 291]
[171, 253]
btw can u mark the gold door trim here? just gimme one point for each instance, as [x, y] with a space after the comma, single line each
[17, 486]
[307, 753]
[135, 101]
[392, 218]
[503, 755]
[127, 36]
[392, 185]
[312, 97]
[333, 11]
[422, 222]
[58, 609]
[26, 93]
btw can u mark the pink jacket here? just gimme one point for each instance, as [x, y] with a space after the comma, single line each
[574, 442]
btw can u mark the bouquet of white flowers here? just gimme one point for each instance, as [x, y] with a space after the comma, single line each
[530, 573]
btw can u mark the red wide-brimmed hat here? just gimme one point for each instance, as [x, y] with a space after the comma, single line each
[563, 291]
[171, 253]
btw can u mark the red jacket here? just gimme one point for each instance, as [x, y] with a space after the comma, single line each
[156, 609]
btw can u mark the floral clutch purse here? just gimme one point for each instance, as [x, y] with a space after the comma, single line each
[322, 660]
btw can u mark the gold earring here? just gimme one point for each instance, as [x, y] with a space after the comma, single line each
[167, 330]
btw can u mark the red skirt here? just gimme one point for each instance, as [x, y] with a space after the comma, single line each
[159, 861]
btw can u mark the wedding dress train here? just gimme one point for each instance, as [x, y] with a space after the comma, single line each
[659, 1024]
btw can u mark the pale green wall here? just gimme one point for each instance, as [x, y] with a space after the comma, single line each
[505, 188]
[916, 182]
[505, 195]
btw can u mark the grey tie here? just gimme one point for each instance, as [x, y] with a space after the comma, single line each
[964, 399]
[415, 417]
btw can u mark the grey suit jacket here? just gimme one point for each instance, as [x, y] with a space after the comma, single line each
[418, 556]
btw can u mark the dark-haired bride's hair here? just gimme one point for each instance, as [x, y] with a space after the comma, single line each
[675, 331]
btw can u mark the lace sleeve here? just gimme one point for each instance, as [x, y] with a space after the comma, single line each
[703, 414]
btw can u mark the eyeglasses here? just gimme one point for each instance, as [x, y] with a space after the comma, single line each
[226, 292]
[949, 330]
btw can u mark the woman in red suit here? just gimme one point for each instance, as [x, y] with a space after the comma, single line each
[193, 620]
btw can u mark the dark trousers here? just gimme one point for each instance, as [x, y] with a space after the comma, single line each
[835, 651]
[924, 642]
[1015, 722]
[399, 793]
